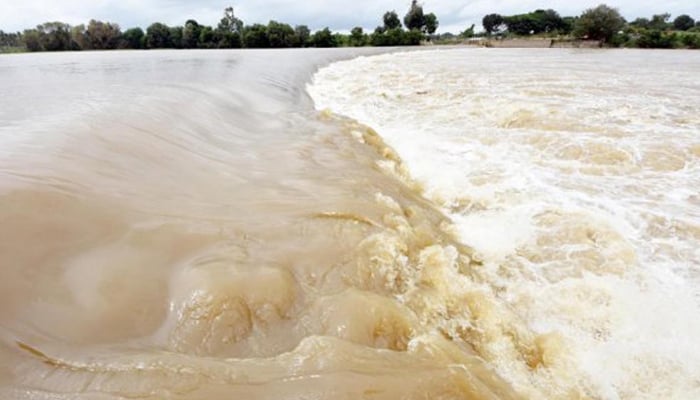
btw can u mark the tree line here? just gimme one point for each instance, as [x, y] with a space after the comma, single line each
[231, 32]
[602, 23]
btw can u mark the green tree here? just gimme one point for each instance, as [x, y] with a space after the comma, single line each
[522, 24]
[641, 23]
[190, 34]
[280, 35]
[228, 40]
[302, 35]
[230, 23]
[395, 37]
[691, 40]
[207, 38]
[568, 25]
[10, 41]
[391, 20]
[54, 36]
[341, 40]
[550, 20]
[230, 31]
[78, 38]
[134, 38]
[538, 21]
[411, 38]
[324, 38]
[255, 36]
[468, 32]
[357, 37]
[102, 35]
[660, 22]
[32, 40]
[414, 18]
[175, 41]
[378, 38]
[431, 23]
[493, 23]
[599, 23]
[157, 36]
[655, 39]
[683, 22]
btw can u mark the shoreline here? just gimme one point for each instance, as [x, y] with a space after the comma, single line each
[526, 43]
[479, 42]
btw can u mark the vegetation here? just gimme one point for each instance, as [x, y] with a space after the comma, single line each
[602, 23]
[416, 20]
[11, 42]
[533, 23]
[683, 22]
[231, 32]
[419, 26]
[599, 23]
[493, 23]
[539, 21]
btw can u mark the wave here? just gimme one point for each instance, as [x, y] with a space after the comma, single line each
[570, 173]
[184, 225]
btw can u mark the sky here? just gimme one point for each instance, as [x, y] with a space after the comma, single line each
[340, 15]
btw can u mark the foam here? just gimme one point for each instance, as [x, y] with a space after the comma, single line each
[571, 173]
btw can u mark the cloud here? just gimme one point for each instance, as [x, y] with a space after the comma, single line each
[339, 15]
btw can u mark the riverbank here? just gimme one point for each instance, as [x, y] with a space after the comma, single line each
[526, 43]
[543, 43]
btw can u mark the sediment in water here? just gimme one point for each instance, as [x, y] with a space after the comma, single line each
[264, 251]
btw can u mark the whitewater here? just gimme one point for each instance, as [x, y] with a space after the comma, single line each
[350, 224]
[574, 175]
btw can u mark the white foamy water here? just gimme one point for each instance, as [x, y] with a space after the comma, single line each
[575, 174]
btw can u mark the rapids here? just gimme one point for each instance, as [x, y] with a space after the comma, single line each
[454, 224]
[183, 224]
[574, 174]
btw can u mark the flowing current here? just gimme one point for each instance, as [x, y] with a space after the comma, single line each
[456, 224]
[576, 176]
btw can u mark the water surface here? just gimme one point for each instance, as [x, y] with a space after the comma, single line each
[575, 175]
[461, 224]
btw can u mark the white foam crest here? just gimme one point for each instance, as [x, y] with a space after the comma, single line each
[574, 173]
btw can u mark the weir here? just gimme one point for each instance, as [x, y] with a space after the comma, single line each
[460, 224]
[185, 225]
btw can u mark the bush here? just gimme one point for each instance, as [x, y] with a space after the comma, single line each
[691, 40]
[324, 38]
[600, 23]
[396, 37]
[654, 39]
[683, 22]
[621, 40]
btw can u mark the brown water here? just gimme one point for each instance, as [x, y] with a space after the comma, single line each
[184, 225]
[574, 174]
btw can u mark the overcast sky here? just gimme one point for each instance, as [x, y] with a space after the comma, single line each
[340, 15]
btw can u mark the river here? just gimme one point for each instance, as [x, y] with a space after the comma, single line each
[457, 223]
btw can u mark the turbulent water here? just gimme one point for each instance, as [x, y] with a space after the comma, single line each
[575, 175]
[460, 224]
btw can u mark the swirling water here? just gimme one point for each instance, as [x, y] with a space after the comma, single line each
[184, 224]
